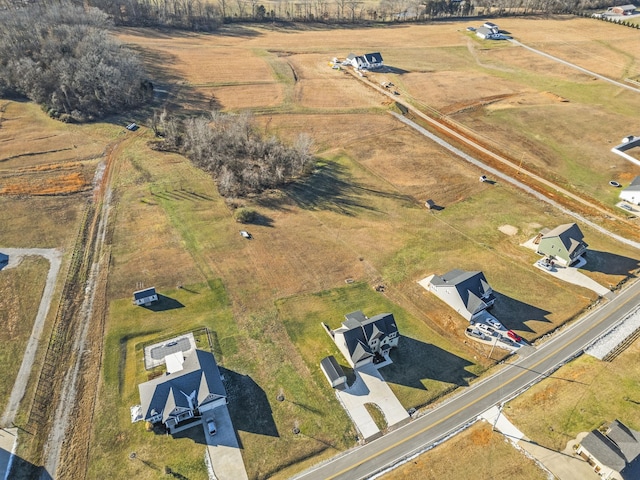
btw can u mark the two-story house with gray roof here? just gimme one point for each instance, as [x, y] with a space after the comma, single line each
[178, 399]
[365, 340]
[564, 243]
[468, 293]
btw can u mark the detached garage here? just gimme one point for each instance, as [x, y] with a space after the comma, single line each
[333, 371]
[145, 297]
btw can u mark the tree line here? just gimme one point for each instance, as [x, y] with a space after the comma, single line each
[208, 15]
[233, 151]
[61, 56]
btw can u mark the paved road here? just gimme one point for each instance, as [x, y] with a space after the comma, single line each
[451, 416]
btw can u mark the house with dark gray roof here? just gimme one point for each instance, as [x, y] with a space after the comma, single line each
[564, 243]
[178, 399]
[468, 293]
[631, 194]
[615, 453]
[368, 61]
[145, 297]
[365, 340]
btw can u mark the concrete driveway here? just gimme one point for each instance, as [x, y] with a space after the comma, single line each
[573, 275]
[370, 387]
[223, 449]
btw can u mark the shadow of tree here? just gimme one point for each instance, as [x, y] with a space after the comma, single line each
[415, 361]
[514, 314]
[610, 263]
[249, 407]
[329, 188]
[164, 303]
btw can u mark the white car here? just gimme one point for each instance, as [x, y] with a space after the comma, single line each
[485, 328]
[494, 323]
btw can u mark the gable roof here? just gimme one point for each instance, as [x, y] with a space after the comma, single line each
[358, 330]
[634, 186]
[627, 440]
[617, 448]
[604, 450]
[373, 57]
[472, 287]
[569, 234]
[147, 292]
[199, 376]
[332, 368]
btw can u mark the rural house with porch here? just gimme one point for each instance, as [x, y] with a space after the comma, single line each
[178, 399]
[364, 340]
[468, 293]
[564, 243]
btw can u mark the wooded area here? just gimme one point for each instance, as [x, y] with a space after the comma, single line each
[232, 150]
[62, 57]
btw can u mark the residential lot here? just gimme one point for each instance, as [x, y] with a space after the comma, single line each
[359, 221]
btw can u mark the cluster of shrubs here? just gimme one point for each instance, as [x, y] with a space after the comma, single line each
[61, 56]
[233, 151]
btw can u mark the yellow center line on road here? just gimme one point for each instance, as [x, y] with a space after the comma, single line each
[491, 392]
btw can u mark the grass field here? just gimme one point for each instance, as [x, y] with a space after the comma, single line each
[358, 218]
[477, 453]
[17, 314]
[580, 397]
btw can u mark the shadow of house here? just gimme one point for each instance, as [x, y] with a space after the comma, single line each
[248, 406]
[163, 303]
[415, 361]
[21, 468]
[610, 263]
[514, 314]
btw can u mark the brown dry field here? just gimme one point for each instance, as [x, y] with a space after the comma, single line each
[360, 216]
[477, 453]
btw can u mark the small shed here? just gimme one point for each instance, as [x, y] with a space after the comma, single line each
[430, 204]
[333, 371]
[145, 297]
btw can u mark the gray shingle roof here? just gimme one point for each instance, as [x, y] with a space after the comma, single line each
[570, 235]
[332, 368]
[147, 292]
[471, 287]
[200, 375]
[363, 329]
[604, 450]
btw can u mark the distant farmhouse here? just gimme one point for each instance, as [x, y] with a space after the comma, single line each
[468, 293]
[368, 61]
[622, 10]
[178, 399]
[614, 454]
[489, 31]
[631, 194]
[364, 340]
[564, 243]
[145, 297]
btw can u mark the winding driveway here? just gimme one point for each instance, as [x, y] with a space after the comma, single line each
[15, 258]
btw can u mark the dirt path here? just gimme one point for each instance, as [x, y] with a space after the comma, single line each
[15, 257]
[67, 444]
